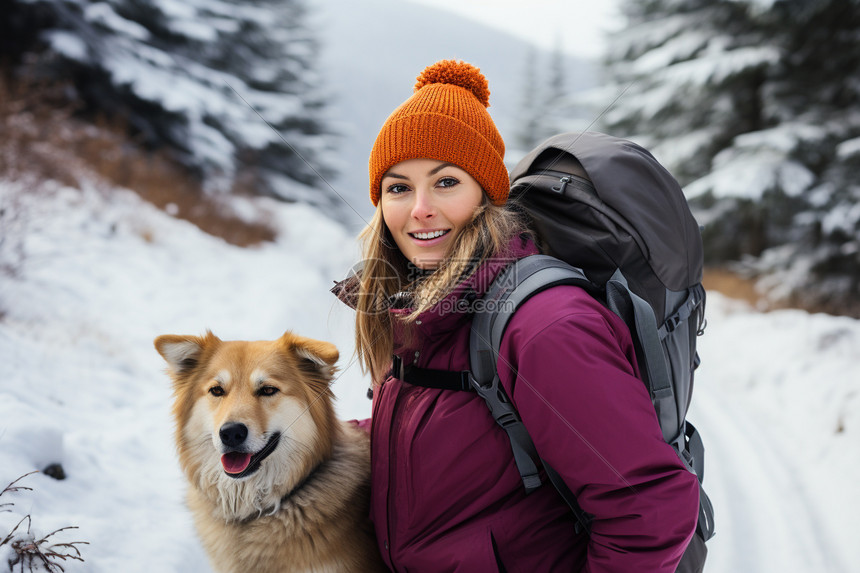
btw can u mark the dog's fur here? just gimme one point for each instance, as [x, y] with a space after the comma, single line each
[301, 507]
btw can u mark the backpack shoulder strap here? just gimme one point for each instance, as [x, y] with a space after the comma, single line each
[522, 279]
[518, 283]
[640, 318]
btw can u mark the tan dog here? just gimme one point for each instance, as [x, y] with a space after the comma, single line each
[277, 483]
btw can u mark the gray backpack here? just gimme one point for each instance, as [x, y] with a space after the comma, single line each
[612, 220]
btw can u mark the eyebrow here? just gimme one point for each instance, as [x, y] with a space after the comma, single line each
[439, 168]
[433, 171]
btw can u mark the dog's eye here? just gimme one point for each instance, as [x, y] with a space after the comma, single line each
[216, 391]
[267, 391]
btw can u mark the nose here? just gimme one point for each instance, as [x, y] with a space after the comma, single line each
[423, 207]
[233, 434]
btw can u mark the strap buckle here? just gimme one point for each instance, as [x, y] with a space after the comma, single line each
[466, 382]
[397, 369]
[672, 322]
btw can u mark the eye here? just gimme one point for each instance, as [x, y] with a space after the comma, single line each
[267, 391]
[447, 182]
[217, 391]
[397, 188]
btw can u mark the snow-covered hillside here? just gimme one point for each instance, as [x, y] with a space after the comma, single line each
[81, 385]
[232, 88]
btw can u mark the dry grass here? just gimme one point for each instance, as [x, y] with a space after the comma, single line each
[737, 286]
[42, 139]
[733, 285]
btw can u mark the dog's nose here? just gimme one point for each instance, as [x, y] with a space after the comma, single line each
[233, 435]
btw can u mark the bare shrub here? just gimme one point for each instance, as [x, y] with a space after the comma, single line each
[33, 552]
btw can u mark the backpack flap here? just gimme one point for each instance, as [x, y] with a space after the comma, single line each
[637, 215]
[574, 224]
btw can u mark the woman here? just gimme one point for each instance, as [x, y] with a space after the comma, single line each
[446, 493]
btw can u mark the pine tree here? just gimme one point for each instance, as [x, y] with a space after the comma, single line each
[232, 86]
[691, 71]
[527, 134]
[556, 83]
[551, 99]
[747, 103]
[554, 113]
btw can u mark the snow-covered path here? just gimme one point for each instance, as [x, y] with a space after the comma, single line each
[767, 519]
[781, 503]
[777, 397]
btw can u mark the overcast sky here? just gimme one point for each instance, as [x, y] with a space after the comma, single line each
[577, 24]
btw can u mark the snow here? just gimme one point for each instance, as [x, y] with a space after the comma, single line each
[685, 147]
[221, 72]
[196, 30]
[848, 148]
[758, 5]
[102, 13]
[68, 44]
[778, 404]
[81, 385]
[843, 219]
[777, 396]
[679, 48]
[785, 137]
[749, 176]
[719, 63]
[758, 162]
[644, 36]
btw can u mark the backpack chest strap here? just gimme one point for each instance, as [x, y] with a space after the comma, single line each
[430, 378]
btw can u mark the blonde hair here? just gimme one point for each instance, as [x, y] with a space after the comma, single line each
[386, 272]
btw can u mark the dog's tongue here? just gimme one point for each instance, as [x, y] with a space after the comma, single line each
[235, 462]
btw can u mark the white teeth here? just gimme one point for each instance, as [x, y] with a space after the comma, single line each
[432, 235]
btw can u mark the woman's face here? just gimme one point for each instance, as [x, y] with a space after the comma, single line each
[425, 204]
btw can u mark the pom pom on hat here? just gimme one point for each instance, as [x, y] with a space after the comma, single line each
[445, 119]
[457, 74]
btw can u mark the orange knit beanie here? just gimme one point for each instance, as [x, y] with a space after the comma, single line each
[445, 119]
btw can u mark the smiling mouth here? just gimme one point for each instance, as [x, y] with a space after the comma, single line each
[430, 235]
[240, 464]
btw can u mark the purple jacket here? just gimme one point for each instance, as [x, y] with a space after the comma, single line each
[446, 494]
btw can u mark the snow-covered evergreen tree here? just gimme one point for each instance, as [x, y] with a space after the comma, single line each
[551, 99]
[528, 118]
[231, 85]
[556, 115]
[750, 103]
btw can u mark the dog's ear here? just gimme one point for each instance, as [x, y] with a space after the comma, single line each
[183, 353]
[319, 355]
